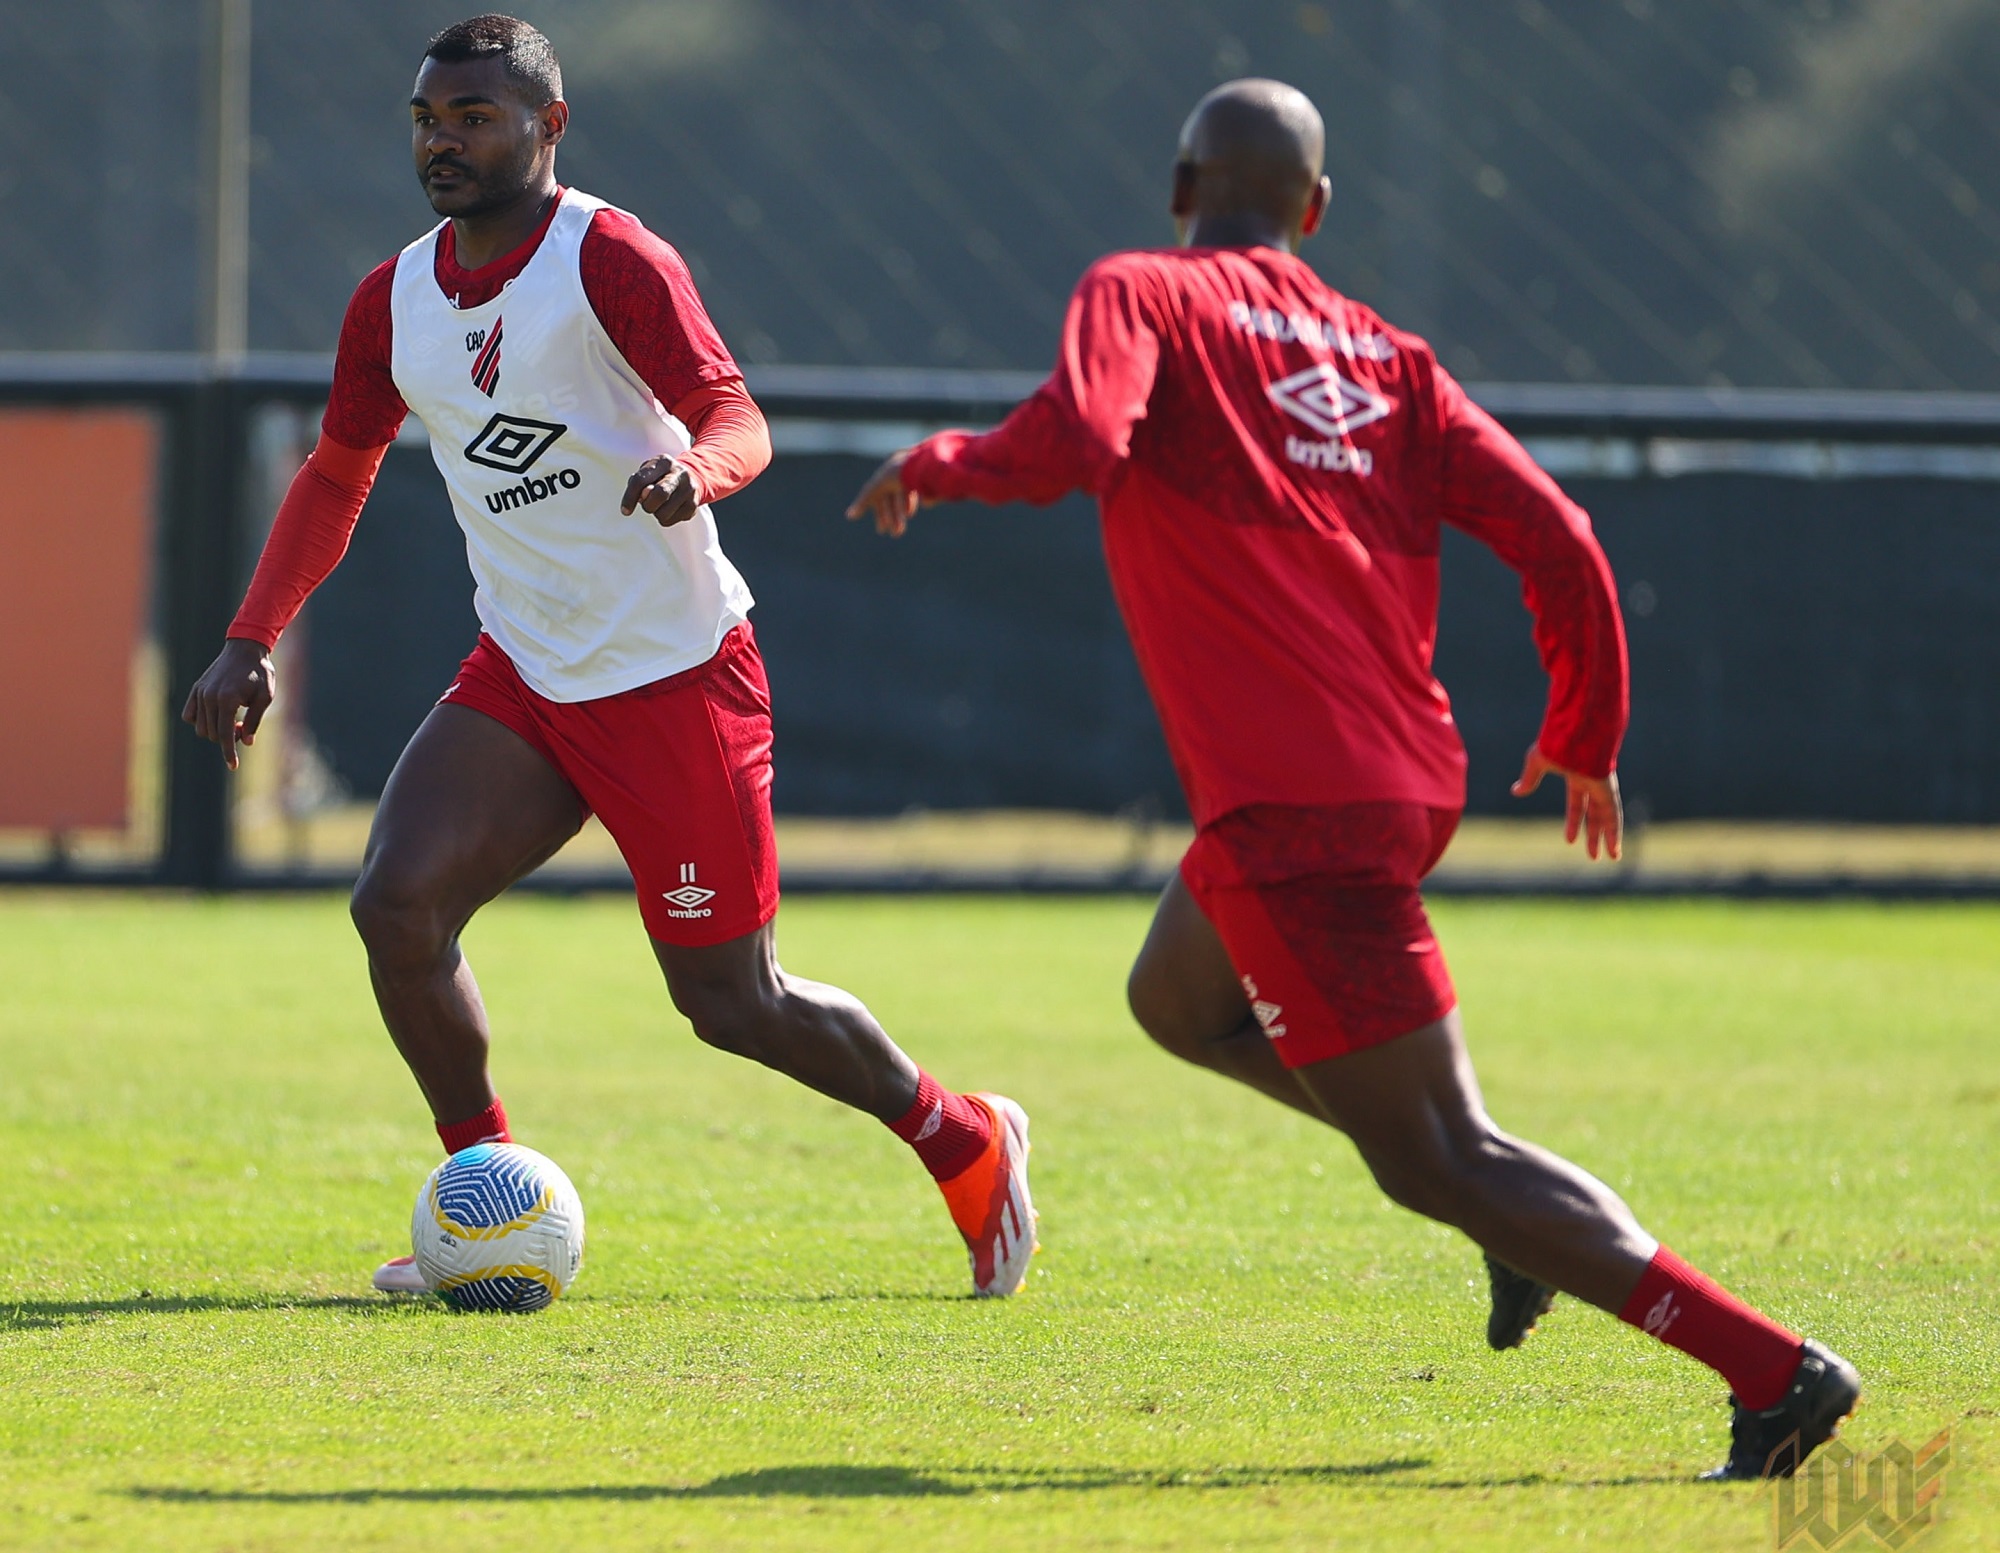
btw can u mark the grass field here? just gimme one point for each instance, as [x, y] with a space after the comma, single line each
[1229, 1340]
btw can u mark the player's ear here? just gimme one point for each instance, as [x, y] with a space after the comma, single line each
[1322, 196]
[1181, 205]
[555, 120]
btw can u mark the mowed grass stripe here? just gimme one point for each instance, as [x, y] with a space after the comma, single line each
[1230, 1340]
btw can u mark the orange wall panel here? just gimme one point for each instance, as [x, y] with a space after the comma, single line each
[76, 539]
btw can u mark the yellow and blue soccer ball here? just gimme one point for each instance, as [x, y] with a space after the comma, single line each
[498, 1227]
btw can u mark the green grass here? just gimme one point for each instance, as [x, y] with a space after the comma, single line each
[1229, 1341]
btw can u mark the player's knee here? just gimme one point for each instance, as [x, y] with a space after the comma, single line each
[1159, 1016]
[398, 920]
[726, 1015]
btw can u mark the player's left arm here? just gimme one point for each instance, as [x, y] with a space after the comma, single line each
[1067, 436]
[1491, 489]
[730, 447]
[642, 293]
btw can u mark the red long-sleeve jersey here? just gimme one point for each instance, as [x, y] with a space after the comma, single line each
[1273, 463]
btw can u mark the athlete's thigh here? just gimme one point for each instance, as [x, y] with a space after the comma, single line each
[1183, 984]
[471, 807]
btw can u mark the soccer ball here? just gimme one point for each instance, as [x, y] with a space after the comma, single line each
[498, 1227]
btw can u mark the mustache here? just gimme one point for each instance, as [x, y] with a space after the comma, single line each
[437, 162]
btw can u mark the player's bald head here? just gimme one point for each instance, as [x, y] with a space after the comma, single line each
[1252, 148]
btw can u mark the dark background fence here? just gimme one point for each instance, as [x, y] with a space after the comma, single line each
[1810, 584]
[1564, 193]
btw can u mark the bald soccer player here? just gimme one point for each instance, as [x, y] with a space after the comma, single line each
[1274, 463]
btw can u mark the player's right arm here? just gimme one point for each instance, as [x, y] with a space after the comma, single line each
[313, 525]
[1493, 490]
[1069, 435]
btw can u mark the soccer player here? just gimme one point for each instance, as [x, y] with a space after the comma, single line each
[1273, 462]
[584, 414]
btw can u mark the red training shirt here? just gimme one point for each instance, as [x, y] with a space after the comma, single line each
[1272, 463]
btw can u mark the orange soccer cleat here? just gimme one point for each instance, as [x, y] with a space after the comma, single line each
[989, 1202]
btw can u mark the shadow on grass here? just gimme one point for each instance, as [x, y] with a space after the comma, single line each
[857, 1482]
[856, 1297]
[32, 1315]
[808, 1482]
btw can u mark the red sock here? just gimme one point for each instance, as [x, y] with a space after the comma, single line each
[948, 1131]
[489, 1126]
[1688, 1310]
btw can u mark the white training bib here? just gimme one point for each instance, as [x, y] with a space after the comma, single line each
[536, 421]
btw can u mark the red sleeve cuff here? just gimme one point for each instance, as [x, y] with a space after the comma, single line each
[730, 441]
[1587, 757]
[928, 470]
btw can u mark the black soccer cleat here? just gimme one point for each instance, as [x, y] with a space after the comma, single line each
[1771, 1444]
[1518, 1303]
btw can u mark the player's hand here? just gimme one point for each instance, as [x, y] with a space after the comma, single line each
[1594, 805]
[229, 701]
[665, 489]
[885, 495]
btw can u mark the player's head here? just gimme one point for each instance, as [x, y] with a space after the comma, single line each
[486, 114]
[1250, 157]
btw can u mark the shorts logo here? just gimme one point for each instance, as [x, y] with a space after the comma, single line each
[513, 443]
[1268, 1014]
[1326, 401]
[690, 900]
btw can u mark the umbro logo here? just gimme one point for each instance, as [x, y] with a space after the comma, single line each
[1268, 1014]
[690, 899]
[1662, 1315]
[513, 443]
[486, 358]
[1326, 401]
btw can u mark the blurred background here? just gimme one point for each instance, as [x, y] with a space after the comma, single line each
[1731, 268]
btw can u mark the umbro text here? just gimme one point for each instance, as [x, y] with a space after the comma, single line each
[1336, 456]
[533, 488]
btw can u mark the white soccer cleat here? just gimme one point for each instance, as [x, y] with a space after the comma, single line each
[400, 1275]
[989, 1203]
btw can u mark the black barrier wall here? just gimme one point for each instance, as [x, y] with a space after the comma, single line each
[977, 663]
[1801, 648]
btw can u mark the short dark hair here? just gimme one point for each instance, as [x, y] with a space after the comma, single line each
[529, 58]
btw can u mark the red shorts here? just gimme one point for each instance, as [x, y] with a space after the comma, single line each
[1321, 916]
[679, 771]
